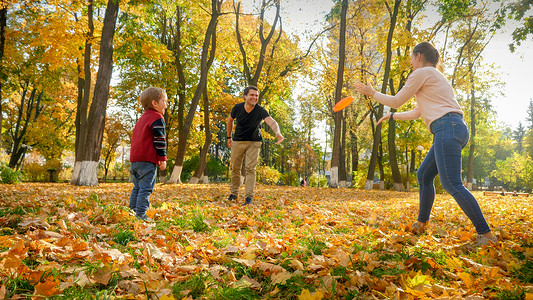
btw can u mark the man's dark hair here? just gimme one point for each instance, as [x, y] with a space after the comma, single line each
[248, 88]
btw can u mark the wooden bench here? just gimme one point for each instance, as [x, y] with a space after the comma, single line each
[485, 193]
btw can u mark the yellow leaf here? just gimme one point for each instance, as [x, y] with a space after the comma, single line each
[529, 296]
[467, 279]
[274, 292]
[306, 295]
[454, 263]
[418, 279]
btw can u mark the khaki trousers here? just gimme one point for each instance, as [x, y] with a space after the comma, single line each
[249, 151]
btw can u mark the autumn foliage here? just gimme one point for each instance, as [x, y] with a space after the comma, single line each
[66, 242]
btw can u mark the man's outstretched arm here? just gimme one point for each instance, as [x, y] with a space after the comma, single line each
[275, 127]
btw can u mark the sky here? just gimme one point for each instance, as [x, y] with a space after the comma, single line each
[303, 17]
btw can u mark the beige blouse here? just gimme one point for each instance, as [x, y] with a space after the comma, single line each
[433, 94]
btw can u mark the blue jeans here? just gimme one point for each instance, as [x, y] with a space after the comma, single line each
[143, 174]
[450, 136]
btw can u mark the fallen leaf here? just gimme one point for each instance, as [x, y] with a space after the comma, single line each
[280, 278]
[306, 295]
[468, 279]
[47, 288]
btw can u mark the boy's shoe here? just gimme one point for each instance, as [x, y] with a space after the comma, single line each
[247, 201]
[145, 218]
[132, 212]
[232, 197]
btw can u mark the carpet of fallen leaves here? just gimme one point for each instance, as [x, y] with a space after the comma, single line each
[64, 242]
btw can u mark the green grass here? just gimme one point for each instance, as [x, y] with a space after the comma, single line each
[196, 286]
[223, 242]
[17, 286]
[231, 293]
[315, 245]
[124, 236]
[30, 262]
[342, 230]
[18, 211]
[76, 292]
[525, 272]
[180, 221]
[193, 220]
[197, 222]
[379, 272]
[163, 225]
[515, 294]
[294, 287]
[7, 231]
[352, 295]
[98, 291]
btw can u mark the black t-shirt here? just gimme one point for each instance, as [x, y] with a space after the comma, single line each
[248, 125]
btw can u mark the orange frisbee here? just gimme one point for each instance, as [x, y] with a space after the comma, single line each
[343, 103]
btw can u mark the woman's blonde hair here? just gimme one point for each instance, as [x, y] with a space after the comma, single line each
[149, 95]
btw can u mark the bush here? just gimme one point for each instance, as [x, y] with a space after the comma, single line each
[214, 167]
[267, 175]
[35, 172]
[318, 180]
[9, 175]
[290, 178]
[359, 179]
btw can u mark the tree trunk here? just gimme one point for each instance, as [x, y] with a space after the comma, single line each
[84, 92]
[469, 180]
[202, 162]
[407, 170]
[413, 162]
[377, 133]
[336, 151]
[391, 143]
[205, 64]
[24, 119]
[182, 82]
[342, 155]
[355, 152]
[3, 24]
[381, 169]
[88, 169]
[253, 79]
[396, 175]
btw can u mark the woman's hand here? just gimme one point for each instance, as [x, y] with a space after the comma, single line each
[365, 89]
[385, 117]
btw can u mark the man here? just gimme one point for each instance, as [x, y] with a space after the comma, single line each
[246, 141]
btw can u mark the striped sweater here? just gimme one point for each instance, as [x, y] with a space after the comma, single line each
[148, 141]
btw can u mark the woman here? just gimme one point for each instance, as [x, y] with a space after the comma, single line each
[436, 104]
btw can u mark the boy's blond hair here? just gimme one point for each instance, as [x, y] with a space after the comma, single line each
[149, 95]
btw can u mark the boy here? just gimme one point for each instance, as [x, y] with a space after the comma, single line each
[148, 149]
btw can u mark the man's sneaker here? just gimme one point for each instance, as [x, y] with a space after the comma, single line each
[232, 197]
[247, 201]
